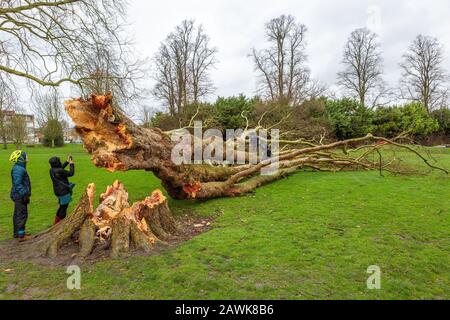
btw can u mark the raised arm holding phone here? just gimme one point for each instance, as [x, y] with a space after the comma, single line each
[61, 185]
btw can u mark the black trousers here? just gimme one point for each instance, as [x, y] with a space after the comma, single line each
[20, 217]
[62, 211]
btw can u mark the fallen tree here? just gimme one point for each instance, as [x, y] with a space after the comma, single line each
[116, 143]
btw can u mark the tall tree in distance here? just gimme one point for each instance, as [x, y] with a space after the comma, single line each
[47, 107]
[182, 66]
[363, 67]
[283, 74]
[8, 102]
[16, 130]
[113, 69]
[424, 78]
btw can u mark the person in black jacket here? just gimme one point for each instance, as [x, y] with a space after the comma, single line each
[61, 185]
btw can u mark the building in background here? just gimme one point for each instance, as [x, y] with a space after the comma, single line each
[29, 121]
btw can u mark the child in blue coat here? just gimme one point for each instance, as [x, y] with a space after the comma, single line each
[20, 193]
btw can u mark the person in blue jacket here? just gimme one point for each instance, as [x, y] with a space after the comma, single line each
[20, 193]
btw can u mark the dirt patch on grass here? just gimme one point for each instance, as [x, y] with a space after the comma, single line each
[188, 227]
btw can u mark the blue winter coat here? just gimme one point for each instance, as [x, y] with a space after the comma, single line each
[21, 185]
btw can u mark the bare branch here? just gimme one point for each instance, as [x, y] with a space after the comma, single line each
[47, 42]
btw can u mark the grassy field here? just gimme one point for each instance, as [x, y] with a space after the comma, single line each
[311, 236]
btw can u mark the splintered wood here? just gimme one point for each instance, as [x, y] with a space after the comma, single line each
[140, 225]
[113, 225]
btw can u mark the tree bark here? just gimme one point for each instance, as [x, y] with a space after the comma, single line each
[116, 143]
[113, 225]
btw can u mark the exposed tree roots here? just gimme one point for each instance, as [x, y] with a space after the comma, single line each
[116, 143]
[114, 228]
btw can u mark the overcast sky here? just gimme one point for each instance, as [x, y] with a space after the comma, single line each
[235, 26]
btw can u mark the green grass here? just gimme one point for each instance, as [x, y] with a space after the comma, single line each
[310, 236]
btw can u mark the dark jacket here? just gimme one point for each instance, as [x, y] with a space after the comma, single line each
[59, 176]
[21, 185]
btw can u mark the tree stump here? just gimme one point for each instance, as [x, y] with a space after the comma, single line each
[114, 225]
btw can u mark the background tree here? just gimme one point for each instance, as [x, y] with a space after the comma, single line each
[17, 130]
[362, 74]
[53, 134]
[47, 107]
[8, 102]
[283, 74]
[182, 66]
[114, 69]
[424, 79]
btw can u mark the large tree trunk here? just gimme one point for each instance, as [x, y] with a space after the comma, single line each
[3, 130]
[116, 143]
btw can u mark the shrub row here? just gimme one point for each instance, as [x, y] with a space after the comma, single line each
[334, 119]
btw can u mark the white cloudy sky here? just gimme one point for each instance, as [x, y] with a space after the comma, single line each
[235, 26]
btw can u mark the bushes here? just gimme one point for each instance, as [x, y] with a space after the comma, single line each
[348, 118]
[164, 121]
[229, 111]
[387, 122]
[337, 119]
[411, 118]
[311, 120]
[268, 114]
[225, 113]
[442, 116]
[416, 121]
